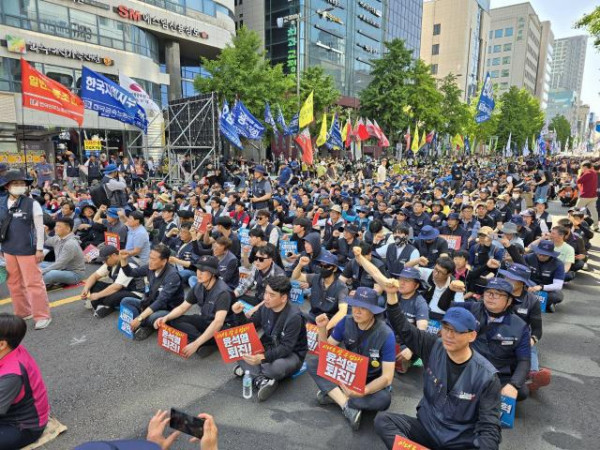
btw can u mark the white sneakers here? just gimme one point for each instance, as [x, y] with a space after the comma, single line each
[41, 324]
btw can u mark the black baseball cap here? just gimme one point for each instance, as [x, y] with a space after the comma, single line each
[106, 251]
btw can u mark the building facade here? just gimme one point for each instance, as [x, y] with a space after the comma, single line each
[544, 72]
[454, 40]
[340, 36]
[155, 42]
[514, 47]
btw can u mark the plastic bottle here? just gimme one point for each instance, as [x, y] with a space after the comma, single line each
[247, 385]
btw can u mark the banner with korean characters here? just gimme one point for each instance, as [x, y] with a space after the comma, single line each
[235, 343]
[124, 323]
[112, 239]
[343, 367]
[402, 443]
[172, 340]
[453, 241]
[508, 405]
[543, 298]
[201, 221]
[312, 336]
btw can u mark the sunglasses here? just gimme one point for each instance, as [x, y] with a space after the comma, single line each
[261, 258]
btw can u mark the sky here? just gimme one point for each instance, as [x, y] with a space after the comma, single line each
[563, 14]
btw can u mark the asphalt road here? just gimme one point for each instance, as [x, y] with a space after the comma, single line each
[103, 386]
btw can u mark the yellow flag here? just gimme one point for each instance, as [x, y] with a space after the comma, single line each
[345, 131]
[306, 112]
[414, 146]
[423, 140]
[323, 134]
[457, 141]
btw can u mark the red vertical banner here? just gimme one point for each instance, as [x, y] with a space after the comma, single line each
[312, 336]
[235, 343]
[44, 94]
[112, 239]
[341, 366]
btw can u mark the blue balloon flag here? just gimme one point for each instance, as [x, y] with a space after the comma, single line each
[227, 126]
[486, 103]
[281, 122]
[108, 99]
[335, 135]
[294, 127]
[269, 120]
[247, 125]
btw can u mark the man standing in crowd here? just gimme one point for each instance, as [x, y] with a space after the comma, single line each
[22, 226]
[588, 191]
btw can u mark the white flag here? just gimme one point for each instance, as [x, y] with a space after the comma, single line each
[141, 96]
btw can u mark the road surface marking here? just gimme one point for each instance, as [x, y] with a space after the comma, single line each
[54, 304]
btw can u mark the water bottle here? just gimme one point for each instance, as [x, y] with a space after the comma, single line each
[247, 385]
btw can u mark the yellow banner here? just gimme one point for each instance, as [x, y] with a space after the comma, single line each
[92, 145]
[306, 112]
[323, 134]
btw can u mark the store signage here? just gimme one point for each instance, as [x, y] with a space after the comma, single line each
[368, 48]
[292, 42]
[138, 16]
[369, 20]
[93, 3]
[370, 8]
[37, 47]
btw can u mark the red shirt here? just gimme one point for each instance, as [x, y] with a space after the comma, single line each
[588, 184]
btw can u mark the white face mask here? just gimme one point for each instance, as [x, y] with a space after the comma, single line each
[17, 190]
[515, 196]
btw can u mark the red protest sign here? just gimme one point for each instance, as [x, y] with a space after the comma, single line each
[404, 443]
[315, 219]
[172, 340]
[237, 342]
[453, 241]
[90, 253]
[341, 366]
[312, 336]
[201, 221]
[142, 203]
[112, 239]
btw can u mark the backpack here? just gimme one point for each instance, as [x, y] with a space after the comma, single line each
[99, 195]
[549, 175]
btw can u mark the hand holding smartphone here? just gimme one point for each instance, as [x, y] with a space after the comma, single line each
[193, 426]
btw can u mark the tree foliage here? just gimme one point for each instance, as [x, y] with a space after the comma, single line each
[520, 116]
[455, 113]
[591, 22]
[563, 129]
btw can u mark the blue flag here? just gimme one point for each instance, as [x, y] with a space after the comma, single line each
[281, 122]
[269, 120]
[294, 127]
[227, 126]
[335, 135]
[108, 99]
[486, 103]
[467, 145]
[247, 125]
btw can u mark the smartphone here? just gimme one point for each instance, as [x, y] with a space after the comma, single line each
[194, 426]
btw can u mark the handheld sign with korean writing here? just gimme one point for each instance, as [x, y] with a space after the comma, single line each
[287, 248]
[90, 253]
[453, 241]
[402, 443]
[341, 366]
[312, 336]
[124, 323]
[543, 298]
[235, 343]
[201, 221]
[296, 294]
[508, 405]
[172, 340]
[112, 239]
[244, 236]
[434, 326]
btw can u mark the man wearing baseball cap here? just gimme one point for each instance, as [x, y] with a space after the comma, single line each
[260, 189]
[504, 338]
[213, 297]
[365, 333]
[460, 407]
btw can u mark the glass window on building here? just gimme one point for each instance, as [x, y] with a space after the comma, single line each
[504, 85]
[506, 60]
[497, 48]
[177, 6]
[54, 19]
[489, 62]
[434, 69]
[504, 73]
[507, 47]
[84, 26]
[435, 49]
[508, 32]
[10, 74]
[491, 34]
[63, 75]
[111, 33]
[498, 33]
[20, 14]
[437, 29]
[494, 74]
[496, 62]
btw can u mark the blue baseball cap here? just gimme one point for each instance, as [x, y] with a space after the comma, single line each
[327, 258]
[518, 220]
[460, 319]
[517, 272]
[410, 273]
[500, 285]
[113, 213]
[260, 168]
[110, 168]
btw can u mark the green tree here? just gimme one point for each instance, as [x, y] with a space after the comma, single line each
[563, 129]
[241, 71]
[424, 97]
[454, 112]
[314, 79]
[386, 96]
[591, 22]
[520, 116]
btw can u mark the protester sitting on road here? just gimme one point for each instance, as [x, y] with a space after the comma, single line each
[527, 307]
[107, 286]
[263, 267]
[24, 404]
[503, 337]
[69, 264]
[138, 240]
[111, 224]
[327, 292]
[401, 251]
[164, 292]
[366, 333]
[354, 276]
[185, 256]
[455, 376]
[578, 244]
[430, 246]
[213, 297]
[284, 338]
[346, 243]
[228, 263]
